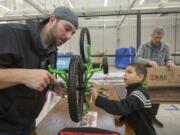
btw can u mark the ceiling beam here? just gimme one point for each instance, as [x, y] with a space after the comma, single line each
[39, 7]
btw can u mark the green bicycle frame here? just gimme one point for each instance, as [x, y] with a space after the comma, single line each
[89, 71]
[60, 72]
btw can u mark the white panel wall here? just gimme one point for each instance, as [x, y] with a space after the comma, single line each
[127, 36]
[177, 47]
[97, 41]
[178, 35]
[105, 39]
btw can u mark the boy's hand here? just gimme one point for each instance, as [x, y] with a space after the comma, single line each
[118, 121]
[152, 63]
[93, 90]
[60, 89]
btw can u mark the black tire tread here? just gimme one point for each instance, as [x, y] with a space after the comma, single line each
[75, 110]
[105, 65]
[84, 32]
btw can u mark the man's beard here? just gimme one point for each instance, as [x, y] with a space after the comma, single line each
[52, 37]
[157, 44]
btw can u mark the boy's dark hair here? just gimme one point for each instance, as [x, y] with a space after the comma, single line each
[140, 69]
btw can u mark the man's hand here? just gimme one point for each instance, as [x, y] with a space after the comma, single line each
[152, 63]
[60, 89]
[37, 79]
[171, 66]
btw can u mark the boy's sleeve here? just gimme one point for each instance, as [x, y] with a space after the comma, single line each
[168, 58]
[135, 101]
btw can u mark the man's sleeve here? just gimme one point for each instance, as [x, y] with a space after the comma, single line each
[8, 50]
[140, 55]
[168, 57]
[135, 101]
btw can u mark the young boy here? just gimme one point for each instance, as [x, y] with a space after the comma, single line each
[136, 106]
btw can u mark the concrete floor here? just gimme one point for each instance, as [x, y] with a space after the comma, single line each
[169, 114]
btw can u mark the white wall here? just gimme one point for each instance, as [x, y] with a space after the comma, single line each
[178, 35]
[105, 39]
[177, 47]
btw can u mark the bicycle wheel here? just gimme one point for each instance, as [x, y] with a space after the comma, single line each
[75, 89]
[105, 65]
[85, 44]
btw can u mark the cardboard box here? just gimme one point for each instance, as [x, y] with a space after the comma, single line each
[162, 77]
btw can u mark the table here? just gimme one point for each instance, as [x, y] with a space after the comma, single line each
[58, 118]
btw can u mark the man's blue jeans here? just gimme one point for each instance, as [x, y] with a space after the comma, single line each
[26, 131]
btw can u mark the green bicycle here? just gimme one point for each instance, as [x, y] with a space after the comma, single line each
[77, 77]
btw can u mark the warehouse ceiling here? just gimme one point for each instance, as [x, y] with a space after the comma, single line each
[27, 9]
[93, 13]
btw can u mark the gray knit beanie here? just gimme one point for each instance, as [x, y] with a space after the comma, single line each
[65, 13]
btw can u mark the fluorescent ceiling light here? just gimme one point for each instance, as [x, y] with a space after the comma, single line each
[5, 8]
[105, 3]
[70, 3]
[141, 2]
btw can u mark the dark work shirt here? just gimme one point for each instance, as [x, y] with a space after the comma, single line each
[21, 48]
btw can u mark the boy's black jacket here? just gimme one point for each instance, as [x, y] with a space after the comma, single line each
[136, 106]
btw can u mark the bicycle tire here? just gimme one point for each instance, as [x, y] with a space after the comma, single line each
[75, 89]
[83, 47]
[105, 65]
